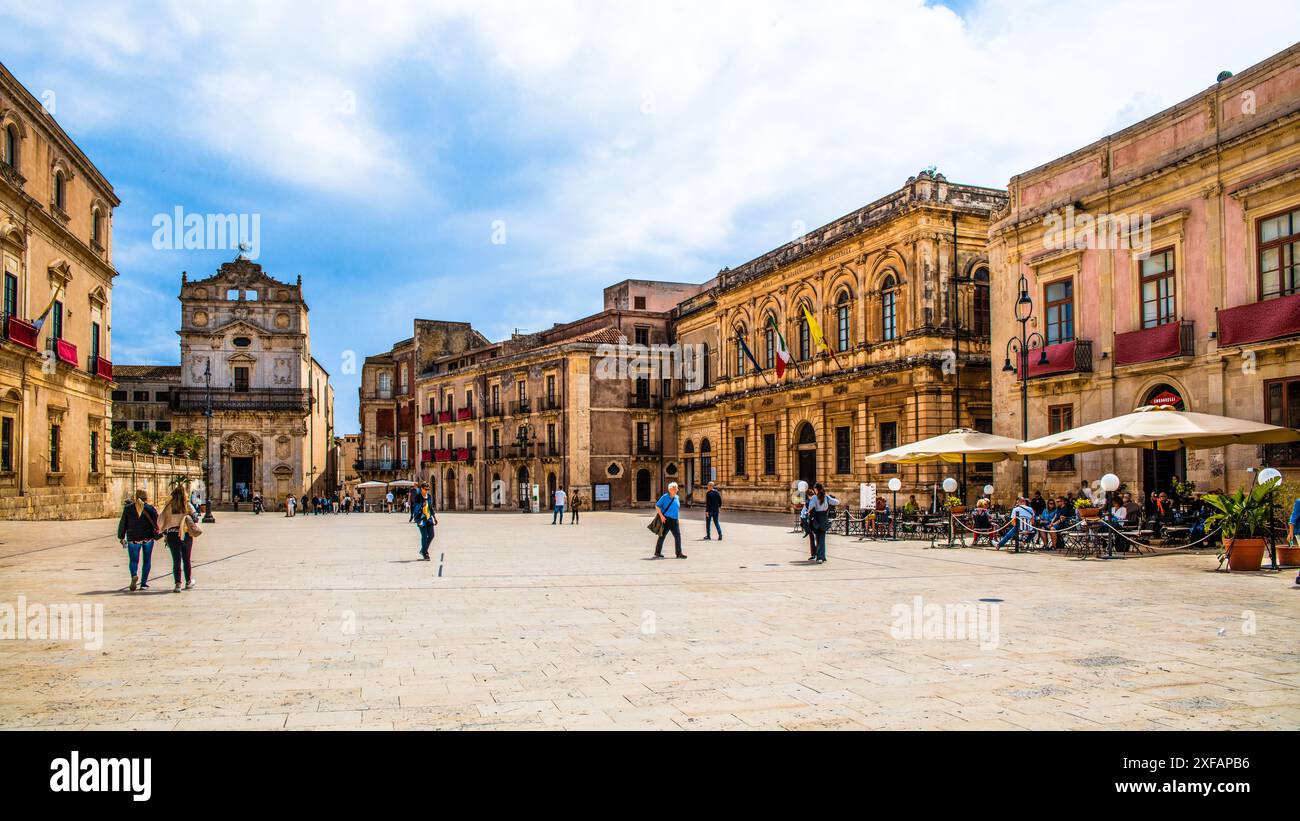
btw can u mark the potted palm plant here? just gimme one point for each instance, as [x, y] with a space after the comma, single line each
[1242, 520]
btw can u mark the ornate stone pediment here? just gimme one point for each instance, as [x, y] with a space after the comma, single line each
[241, 444]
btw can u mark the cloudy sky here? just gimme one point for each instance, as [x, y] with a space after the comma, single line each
[500, 162]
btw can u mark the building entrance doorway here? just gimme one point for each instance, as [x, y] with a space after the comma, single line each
[241, 478]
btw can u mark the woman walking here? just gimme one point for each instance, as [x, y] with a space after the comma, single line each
[806, 523]
[819, 517]
[425, 518]
[668, 509]
[137, 530]
[179, 529]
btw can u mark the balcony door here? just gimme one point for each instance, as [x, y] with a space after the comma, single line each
[241, 380]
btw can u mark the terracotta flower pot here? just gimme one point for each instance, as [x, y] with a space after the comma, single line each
[957, 510]
[1088, 512]
[1245, 554]
[1288, 556]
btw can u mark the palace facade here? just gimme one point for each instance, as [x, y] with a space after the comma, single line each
[56, 246]
[246, 347]
[1162, 264]
[900, 290]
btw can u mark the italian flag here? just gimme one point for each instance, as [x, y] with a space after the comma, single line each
[783, 357]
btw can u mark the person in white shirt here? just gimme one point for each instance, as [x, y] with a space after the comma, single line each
[388, 502]
[558, 507]
[1021, 516]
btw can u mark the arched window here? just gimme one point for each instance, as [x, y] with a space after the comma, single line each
[842, 320]
[889, 308]
[740, 350]
[96, 226]
[981, 320]
[60, 191]
[769, 344]
[11, 147]
[706, 460]
[805, 337]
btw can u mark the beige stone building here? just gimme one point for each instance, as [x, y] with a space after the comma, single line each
[390, 438]
[497, 419]
[55, 370]
[142, 396]
[246, 336]
[1161, 262]
[900, 291]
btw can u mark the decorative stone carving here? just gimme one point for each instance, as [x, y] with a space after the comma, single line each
[242, 444]
[282, 444]
[282, 320]
[200, 319]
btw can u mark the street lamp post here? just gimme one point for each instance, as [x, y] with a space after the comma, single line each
[1021, 346]
[207, 462]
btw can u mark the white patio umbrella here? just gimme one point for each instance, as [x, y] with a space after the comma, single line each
[1158, 428]
[370, 484]
[954, 446]
[401, 483]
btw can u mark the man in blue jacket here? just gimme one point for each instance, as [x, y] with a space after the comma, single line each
[668, 509]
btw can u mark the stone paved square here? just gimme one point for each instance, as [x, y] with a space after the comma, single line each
[331, 622]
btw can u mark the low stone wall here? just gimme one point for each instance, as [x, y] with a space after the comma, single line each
[130, 471]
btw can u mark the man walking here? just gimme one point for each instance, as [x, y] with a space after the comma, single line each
[668, 509]
[712, 506]
[558, 507]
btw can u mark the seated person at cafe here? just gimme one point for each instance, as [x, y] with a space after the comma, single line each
[981, 523]
[1045, 520]
[1118, 514]
[1063, 518]
[911, 509]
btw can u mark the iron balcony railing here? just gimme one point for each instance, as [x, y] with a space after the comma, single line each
[521, 406]
[381, 464]
[195, 399]
[646, 401]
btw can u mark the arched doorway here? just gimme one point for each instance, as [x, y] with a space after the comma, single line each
[807, 449]
[524, 490]
[689, 450]
[550, 491]
[643, 489]
[498, 490]
[1159, 467]
[449, 491]
[706, 461]
[469, 491]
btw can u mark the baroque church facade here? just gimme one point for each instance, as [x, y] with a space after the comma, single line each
[246, 349]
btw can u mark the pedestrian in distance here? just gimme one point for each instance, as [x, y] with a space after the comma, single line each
[557, 509]
[712, 507]
[668, 509]
[137, 530]
[573, 508]
[426, 518]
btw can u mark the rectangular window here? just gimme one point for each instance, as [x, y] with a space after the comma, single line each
[11, 294]
[1059, 299]
[56, 320]
[550, 436]
[140, 396]
[550, 389]
[55, 455]
[769, 454]
[888, 441]
[241, 380]
[164, 425]
[120, 396]
[642, 335]
[94, 451]
[1279, 245]
[119, 425]
[1060, 418]
[1158, 302]
[7, 444]
[643, 436]
[1282, 407]
[638, 303]
[740, 456]
[161, 396]
[94, 342]
[496, 398]
[140, 425]
[843, 450]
